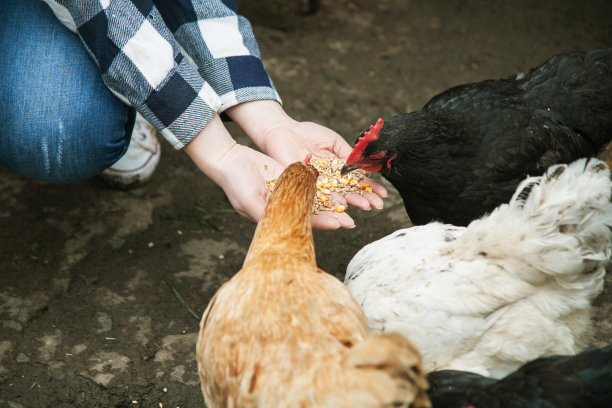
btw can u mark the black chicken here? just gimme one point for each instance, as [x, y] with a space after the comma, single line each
[584, 380]
[465, 152]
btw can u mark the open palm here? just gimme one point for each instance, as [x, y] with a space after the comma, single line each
[292, 141]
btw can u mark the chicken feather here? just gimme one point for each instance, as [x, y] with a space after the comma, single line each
[511, 287]
[583, 380]
[466, 151]
[284, 333]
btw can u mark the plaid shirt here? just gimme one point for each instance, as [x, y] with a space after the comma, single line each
[147, 52]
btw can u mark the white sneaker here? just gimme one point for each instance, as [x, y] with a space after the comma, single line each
[136, 166]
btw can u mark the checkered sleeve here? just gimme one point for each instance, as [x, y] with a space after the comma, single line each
[141, 62]
[222, 45]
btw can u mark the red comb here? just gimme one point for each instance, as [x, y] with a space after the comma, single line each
[307, 159]
[363, 141]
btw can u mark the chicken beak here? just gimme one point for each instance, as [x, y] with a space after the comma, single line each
[345, 169]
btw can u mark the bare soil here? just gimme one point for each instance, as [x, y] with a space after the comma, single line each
[101, 290]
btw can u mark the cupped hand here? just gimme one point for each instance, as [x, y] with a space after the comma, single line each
[240, 171]
[243, 174]
[287, 141]
[291, 141]
[244, 180]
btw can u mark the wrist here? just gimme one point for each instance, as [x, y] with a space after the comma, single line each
[209, 147]
[257, 118]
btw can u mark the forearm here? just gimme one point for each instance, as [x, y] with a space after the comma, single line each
[209, 147]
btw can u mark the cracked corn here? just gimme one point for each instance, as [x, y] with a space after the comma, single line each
[330, 180]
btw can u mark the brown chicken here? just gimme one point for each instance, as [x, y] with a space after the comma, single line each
[284, 333]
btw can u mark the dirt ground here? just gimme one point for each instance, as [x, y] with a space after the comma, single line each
[101, 291]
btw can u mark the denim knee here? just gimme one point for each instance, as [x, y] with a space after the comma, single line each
[58, 121]
[62, 148]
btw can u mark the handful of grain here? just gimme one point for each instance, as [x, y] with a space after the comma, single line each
[330, 180]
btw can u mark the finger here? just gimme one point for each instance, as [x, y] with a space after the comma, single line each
[338, 198]
[345, 220]
[365, 201]
[342, 149]
[375, 200]
[377, 188]
[328, 220]
[323, 222]
[358, 201]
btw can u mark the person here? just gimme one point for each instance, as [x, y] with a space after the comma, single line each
[72, 105]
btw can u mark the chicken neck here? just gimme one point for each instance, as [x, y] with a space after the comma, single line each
[285, 231]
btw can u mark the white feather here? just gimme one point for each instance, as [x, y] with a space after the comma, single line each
[510, 287]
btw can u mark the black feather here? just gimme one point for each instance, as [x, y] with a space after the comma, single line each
[466, 151]
[580, 381]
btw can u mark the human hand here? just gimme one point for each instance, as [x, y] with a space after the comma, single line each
[243, 174]
[288, 141]
[244, 181]
[297, 139]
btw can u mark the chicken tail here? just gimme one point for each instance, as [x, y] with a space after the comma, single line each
[385, 371]
[558, 223]
[577, 88]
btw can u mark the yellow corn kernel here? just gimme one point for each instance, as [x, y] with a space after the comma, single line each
[368, 189]
[340, 208]
[323, 198]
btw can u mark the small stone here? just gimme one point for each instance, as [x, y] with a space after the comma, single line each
[22, 358]
[79, 348]
[105, 322]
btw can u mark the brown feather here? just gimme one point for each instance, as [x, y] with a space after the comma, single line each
[283, 333]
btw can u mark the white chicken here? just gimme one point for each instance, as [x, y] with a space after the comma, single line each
[510, 287]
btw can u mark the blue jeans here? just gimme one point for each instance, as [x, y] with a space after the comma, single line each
[58, 121]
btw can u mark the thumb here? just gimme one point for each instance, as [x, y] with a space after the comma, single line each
[342, 149]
